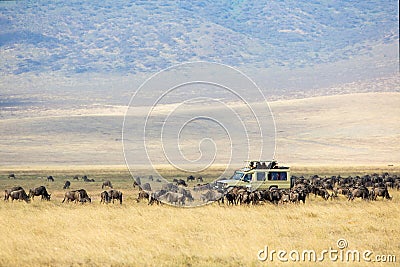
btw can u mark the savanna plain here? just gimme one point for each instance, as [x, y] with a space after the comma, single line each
[51, 233]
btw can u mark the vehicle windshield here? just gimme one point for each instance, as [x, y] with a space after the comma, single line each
[237, 175]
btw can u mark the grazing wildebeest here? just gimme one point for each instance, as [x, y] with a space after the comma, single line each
[77, 195]
[173, 198]
[170, 187]
[212, 195]
[286, 198]
[115, 194]
[381, 192]
[50, 179]
[361, 192]
[86, 179]
[190, 178]
[186, 193]
[39, 191]
[230, 198]
[274, 195]
[146, 187]
[11, 176]
[71, 196]
[67, 185]
[137, 182]
[302, 195]
[84, 197]
[199, 179]
[154, 196]
[8, 191]
[200, 187]
[19, 195]
[106, 183]
[104, 197]
[143, 195]
[319, 191]
[76, 177]
[181, 182]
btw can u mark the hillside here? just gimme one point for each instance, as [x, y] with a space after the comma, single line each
[141, 36]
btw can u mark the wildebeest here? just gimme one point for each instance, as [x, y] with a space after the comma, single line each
[84, 197]
[76, 177]
[173, 198]
[146, 187]
[170, 187]
[273, 195]
[136, 182]
[104, 198]
[230, 198]
[8, 191]
[106, 183]
[186, 193]
[143, 195]
[67, 185]
[361, 192]
[115, 194]
[199, 179]
[50, 179]
[154, 196]
[77, 195]
[190, 178]
[212, 195]
[11, 176]
[71, 196]
[320, 191]
[286, 198]
[19, 195]
[180, 182]
[86, 179]
[200, 187]
[39, 191]
[380, 192]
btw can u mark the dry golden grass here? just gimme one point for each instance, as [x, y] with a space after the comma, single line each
[54, 234]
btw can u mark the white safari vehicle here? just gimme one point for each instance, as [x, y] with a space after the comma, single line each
[259, 175]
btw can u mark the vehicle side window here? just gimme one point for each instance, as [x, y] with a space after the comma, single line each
[277, 176]
[260, 176]
[283, 176]
[247, 177]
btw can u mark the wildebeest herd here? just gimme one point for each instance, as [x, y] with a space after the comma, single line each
[367, 187]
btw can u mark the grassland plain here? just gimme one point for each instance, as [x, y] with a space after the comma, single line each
[52, 233]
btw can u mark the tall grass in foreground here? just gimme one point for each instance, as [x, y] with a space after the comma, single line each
[45, 233]
[134, 234]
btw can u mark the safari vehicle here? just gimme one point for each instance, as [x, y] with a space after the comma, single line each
[259, 175]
